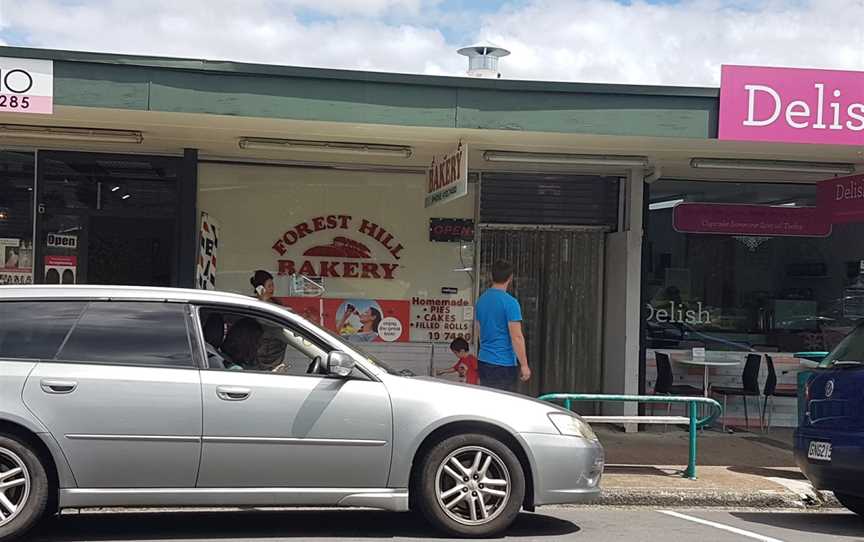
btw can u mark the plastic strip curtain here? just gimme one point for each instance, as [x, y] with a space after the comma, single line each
[559, 285]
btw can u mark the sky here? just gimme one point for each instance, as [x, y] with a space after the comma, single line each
[667, 42]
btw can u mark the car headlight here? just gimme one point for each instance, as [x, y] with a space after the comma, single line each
[572, 426]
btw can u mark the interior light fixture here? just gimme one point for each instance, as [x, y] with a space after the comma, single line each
[116, 188]
[126, 196]
[335, 147]
[96, 135]
[598, 160]
[668, 204]
[791, 166]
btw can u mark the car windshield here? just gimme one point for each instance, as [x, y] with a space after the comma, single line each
[368, 357]
[850, 351]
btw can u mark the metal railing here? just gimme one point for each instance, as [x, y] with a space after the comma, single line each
[693, 419]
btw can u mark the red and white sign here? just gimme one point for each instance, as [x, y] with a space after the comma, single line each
[208, 247]
[339, 246]
[26, 85]
[441, 319]
[357, 320]
[841, 200]
[755, 220]
[61, 269]
[447, 177]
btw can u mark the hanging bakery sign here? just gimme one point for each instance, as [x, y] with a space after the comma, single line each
[447, 177]
[339, 246]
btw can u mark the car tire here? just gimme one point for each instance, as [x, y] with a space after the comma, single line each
[471, 485]
[29, 497]
[853, 503]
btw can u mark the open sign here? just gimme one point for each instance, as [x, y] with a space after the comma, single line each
[451, 230]
[58, 240]
[26, 85]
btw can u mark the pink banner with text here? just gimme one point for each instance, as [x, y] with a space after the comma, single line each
[754, 220]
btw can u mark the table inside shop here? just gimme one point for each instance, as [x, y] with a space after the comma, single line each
[706, 363]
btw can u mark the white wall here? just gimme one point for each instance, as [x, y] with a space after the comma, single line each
[255, 205]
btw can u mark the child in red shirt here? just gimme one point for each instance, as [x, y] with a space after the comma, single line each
[466, 366]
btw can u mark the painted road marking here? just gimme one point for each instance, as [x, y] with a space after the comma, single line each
[721, 526]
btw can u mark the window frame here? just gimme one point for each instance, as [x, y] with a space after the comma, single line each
[194, 365]
[360, 372]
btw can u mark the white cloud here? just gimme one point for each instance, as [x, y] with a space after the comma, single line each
[679, 43]
[574, 40]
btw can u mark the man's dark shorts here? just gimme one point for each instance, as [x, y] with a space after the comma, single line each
[498, 376]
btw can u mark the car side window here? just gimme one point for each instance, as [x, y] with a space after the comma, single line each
[130, 333]
[241, 341]
[35, 329]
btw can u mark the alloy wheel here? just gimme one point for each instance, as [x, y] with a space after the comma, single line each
[14, 486]
[472, 485]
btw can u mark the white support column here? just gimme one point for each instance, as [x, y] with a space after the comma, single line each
[623, 300]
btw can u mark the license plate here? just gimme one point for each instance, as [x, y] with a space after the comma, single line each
[820, 451]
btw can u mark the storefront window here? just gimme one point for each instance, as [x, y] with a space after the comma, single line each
[737, 292]
[16, 217]
[350, 250]
[107, 219]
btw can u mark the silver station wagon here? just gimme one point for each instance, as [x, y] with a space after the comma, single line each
[131, 397]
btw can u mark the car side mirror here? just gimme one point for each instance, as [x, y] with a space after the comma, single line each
[339, 364]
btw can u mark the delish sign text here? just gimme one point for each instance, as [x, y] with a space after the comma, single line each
[792, 105]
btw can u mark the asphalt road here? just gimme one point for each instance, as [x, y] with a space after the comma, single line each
[595, 524]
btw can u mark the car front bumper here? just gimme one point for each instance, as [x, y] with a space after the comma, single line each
[567, 470]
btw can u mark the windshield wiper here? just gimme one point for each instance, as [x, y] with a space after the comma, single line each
[848, 362]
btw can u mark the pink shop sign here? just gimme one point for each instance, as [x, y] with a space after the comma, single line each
[753, 220]
[841, 200]
[791, 105]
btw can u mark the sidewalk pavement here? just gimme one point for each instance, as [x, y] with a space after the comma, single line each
[749, 469]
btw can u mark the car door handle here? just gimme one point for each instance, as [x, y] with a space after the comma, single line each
[58, 386]
[230, 393]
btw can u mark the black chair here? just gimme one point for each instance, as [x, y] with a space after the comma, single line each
[665, 382]
[772, 391]
[750, 387]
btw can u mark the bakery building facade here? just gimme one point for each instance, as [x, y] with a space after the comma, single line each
[639, 219]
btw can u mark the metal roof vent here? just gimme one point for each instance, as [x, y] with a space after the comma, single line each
[483, 59]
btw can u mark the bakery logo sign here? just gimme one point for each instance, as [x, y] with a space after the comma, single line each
[339, 246]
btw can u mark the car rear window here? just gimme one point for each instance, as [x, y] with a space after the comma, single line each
[850, 351]
[130, 333]
[35, 329]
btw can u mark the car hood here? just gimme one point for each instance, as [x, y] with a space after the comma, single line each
[443, 400]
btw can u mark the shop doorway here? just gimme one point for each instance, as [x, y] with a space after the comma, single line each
[107, 219]
[558, 281]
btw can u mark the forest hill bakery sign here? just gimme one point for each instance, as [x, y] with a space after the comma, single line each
[339, 246]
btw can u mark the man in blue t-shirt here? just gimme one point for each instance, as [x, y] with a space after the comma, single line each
[502, 356]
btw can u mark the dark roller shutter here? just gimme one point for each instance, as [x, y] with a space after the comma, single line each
[511, 198]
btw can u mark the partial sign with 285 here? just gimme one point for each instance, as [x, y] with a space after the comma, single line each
[26, 85]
